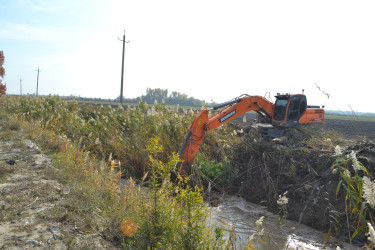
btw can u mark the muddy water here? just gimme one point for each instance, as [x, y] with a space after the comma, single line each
[240, 216]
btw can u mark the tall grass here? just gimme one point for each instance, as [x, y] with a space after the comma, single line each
[105, 131]
[93, 147]
[123, 134]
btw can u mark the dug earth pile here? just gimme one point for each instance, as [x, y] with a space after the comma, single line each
[300, 168]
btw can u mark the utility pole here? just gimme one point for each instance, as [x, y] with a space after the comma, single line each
[122, 67]
[37, 82]
[20, 87]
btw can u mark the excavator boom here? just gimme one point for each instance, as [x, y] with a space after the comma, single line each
[202, 123]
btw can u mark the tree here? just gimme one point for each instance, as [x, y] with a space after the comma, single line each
[173, 98]
[3, 88]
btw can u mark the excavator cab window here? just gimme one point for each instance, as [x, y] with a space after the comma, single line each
[297, 107]
[281, 105]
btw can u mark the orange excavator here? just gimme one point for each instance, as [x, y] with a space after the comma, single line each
[288, 110]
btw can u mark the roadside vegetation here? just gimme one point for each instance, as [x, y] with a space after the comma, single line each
[106, 157]
[117, 164]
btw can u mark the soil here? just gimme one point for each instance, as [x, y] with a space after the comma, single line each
[352, 129]
[32, 204]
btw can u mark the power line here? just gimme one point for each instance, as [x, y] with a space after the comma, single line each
[122, 67]
[20, 87]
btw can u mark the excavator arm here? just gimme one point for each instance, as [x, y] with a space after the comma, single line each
[203, 123]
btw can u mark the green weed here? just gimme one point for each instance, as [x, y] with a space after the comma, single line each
[359, 185]
[220, 174]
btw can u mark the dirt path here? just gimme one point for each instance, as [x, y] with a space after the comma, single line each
[32, 206]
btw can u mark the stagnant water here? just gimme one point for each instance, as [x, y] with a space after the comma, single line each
[240, 216]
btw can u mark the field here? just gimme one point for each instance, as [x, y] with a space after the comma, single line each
[353, 129]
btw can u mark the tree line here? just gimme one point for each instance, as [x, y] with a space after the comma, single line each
[163, 96]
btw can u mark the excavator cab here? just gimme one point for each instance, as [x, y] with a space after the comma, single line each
[289, 109]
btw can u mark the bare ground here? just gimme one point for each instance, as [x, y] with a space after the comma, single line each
[33, 206]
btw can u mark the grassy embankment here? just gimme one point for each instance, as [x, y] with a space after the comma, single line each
[92, 147]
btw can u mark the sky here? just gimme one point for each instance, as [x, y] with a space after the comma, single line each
[212, 50]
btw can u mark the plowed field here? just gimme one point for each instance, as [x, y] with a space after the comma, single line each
[363, 130]
[351, 129]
